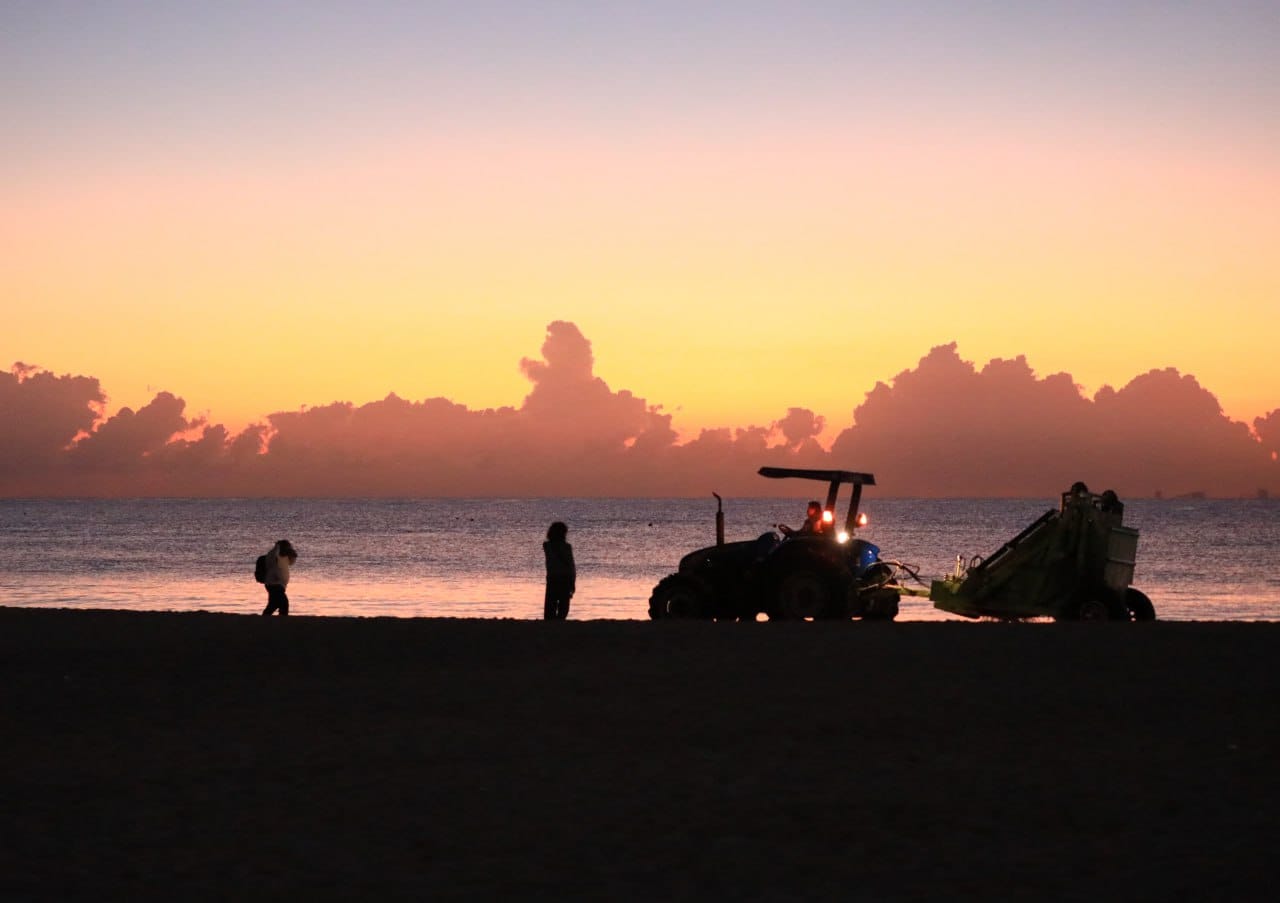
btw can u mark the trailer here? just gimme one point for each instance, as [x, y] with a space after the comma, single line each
[1075, 563]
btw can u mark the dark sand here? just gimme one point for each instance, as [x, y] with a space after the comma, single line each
[220, 755]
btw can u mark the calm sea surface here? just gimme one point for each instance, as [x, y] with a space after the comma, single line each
[1197, 559]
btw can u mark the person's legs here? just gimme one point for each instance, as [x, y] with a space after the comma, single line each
[556, 604]
[276, 601]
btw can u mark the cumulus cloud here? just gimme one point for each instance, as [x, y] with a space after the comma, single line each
[947, 427]
[569, 400]
[1268, 430]
[944, 427]
[127, 438]
[800, 426]
[41, 414]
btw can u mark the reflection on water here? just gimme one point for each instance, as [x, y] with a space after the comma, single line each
[1202, 559]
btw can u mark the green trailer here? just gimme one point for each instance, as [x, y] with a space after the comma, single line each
[1075, 563]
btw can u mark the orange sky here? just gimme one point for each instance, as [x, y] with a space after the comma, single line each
[742, 221]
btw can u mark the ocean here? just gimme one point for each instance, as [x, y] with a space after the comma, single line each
[1198, 559]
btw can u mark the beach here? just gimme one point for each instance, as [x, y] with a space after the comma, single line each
[218, 755]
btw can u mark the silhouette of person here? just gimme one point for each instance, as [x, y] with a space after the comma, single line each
[562, 575]
[812, 522]
[281, 557]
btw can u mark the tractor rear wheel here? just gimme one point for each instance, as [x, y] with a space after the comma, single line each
[678, 596]
[1140, 607]
[804, 593]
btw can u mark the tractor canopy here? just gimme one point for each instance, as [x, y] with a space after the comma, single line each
[832, 477]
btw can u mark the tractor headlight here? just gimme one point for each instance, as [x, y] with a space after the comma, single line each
[842, 536]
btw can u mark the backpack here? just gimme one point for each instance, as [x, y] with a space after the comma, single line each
[260, 569]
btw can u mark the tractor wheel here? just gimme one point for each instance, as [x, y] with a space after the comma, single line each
[879, 574]
[882, 605]
[1140, 607]
[804, 593]
[677, 596]
[1093, 610]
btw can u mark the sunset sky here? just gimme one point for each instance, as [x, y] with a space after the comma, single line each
[746, 206]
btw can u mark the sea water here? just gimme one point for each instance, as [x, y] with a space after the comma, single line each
[1198, 559]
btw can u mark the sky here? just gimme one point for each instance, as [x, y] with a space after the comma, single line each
[744, 208]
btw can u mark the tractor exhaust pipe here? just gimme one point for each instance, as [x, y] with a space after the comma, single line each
[719, 519]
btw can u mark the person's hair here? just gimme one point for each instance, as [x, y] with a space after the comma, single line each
[815, 504]
[286, 549]
[557, 531]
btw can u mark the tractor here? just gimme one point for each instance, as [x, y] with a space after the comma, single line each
[820, 573]
[1072, 564]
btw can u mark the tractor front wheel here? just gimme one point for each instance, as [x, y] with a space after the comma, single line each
[878, 575]
[677, 596]
[880, 604]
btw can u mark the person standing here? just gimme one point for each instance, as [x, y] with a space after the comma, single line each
[562, 576]
[279, 560]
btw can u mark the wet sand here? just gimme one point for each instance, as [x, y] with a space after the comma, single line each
[220, 755]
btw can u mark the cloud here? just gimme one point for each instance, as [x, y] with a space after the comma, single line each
[944, 427]
[568, 401]
[41, 414]
[1268, 430]
[948, 428]
[125, 440]
[800, 426]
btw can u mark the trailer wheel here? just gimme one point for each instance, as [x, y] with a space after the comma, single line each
[1093, 610]
[804, 593]
[1140, 607]
[677, 596]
